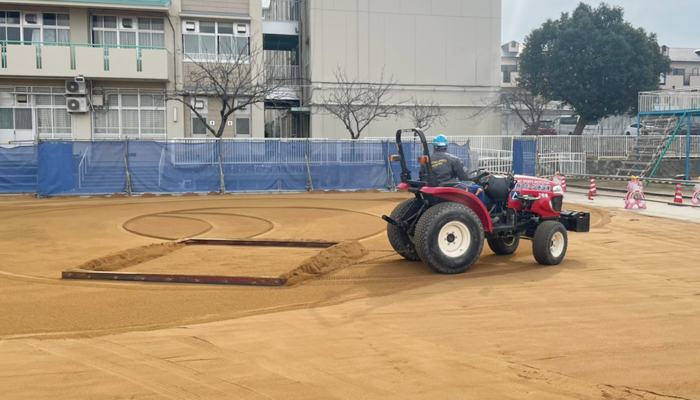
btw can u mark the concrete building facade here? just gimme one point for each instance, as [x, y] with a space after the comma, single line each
[109, 69]
[444, 50]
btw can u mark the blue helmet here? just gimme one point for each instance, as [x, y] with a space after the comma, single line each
[440, 141]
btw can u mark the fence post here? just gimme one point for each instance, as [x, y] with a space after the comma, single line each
[126, 164]
[222, 181]
[391, 183]
[309, 182]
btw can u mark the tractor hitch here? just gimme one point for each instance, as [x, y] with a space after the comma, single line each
[389, 220]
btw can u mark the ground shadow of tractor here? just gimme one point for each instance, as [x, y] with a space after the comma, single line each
[405, 275]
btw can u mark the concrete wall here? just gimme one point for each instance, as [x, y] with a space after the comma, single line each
[447, 50]
[214, 115]
[219, 6]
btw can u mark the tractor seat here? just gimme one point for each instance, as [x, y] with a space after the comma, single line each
[497, 189]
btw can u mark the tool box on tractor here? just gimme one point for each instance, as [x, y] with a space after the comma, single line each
[445, 224]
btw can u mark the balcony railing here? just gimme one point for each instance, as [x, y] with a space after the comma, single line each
[70, 59]
[669, 100]
[282, 10]
[288, 73]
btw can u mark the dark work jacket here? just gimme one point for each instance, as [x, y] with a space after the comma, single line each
[446, 167]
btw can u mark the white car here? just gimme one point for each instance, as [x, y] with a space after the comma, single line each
[631, 130]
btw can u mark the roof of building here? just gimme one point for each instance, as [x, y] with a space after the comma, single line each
[505, 49]
[685, 55]
[135, 3]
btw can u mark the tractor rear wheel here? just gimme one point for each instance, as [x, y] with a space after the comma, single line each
[504, 246]
[399, 238]
[449, 238]
[549, 243]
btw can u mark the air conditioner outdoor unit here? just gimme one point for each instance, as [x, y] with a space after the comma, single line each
[75, 86]
[77, 104]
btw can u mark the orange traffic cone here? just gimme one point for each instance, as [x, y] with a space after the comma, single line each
[592, 191]
[679, 194]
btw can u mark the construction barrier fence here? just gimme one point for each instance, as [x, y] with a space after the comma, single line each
[54, 167]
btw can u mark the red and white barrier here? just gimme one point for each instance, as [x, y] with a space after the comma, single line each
[635, 195]
[560, 180]
[696, 196]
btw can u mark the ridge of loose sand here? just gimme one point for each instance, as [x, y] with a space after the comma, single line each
[130, 257]
[325, 262]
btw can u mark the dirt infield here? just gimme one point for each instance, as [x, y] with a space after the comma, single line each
[618, 319]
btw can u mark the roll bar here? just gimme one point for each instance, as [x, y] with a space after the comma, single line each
[405, 172]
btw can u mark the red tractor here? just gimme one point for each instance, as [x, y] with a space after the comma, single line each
[445, 225]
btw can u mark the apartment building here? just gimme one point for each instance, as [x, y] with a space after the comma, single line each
[112, 69]
[685, 68]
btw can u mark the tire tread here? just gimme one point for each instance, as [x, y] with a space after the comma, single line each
[422, 238]
[540, 242]
[397, 236]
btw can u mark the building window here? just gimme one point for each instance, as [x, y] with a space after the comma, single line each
[507, 70]
[662, 79]
[210, 40]
[16, 118]
[696, 71]
[128, 31]
[199, 127]
[34, 27]
[52, 118]
[42, 111]
[131, 115]
[242, 126]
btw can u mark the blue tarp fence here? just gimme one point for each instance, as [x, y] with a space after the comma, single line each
[54, 168]
[525, 156]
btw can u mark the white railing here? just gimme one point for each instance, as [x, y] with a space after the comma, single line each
[670, 100]
[564, 163]
[182, 152]
[266, 151]
[608, 146]
[83, 166]
[488, 149]
[678, 147]
[498, 161]
[290, 74]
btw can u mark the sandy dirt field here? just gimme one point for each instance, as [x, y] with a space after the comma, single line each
[618, 319]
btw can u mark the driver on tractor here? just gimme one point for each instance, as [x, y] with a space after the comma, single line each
[447, 168]
[450, 171]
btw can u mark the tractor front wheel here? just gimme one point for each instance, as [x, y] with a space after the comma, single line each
[399, 238]
[504, 246]
[449, 238]
[549, 243]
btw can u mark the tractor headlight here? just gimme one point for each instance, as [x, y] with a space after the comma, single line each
[558, 190]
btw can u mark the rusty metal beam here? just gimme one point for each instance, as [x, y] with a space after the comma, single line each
[260, 242]
[173, 278]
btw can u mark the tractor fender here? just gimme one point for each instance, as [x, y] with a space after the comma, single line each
[462, 197]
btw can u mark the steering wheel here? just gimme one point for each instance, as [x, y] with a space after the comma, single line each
[480, 176]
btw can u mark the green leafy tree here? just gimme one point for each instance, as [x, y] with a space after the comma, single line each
[594, 61]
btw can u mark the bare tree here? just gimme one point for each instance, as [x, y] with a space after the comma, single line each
[235, 75]
[520, 102]
[425, 113]
[357, 104]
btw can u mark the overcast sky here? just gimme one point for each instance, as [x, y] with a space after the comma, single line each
[675, 22]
